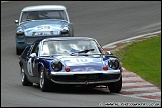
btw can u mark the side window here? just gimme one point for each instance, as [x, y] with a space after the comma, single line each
[26, 51]
[24, 16]
[35, 48]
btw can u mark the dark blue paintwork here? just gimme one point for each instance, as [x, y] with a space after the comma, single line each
[78, 64]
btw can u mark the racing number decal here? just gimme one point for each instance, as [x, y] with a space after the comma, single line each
[29, 66]
[81, 60]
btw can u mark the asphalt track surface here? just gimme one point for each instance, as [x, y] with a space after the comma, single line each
[107, 21]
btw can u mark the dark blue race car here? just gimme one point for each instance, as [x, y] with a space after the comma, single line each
[69, 61]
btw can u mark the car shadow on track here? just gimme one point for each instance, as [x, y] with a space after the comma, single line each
[78, 90]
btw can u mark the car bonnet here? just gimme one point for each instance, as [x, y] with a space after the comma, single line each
[82, 63]
[37, 26]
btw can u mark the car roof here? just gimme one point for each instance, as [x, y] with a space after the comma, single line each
[44, 7]
[65, 38]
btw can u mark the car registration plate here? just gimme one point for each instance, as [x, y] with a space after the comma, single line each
[87, 76]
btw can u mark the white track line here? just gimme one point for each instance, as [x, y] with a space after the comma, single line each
[133, 78]
[139, 89]
[136, 84]
[148, 94]
[111, 44]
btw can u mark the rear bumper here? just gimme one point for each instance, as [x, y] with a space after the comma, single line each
[103, 77]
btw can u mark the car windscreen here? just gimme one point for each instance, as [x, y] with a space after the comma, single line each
[44, 15]
[67, 47]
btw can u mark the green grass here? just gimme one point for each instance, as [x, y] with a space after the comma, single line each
[144, 59]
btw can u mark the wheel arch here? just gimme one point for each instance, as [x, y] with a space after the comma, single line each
[39, 65]
[20, 63]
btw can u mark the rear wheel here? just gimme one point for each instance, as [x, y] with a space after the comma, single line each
[24, 79]
[115, 87]
[44, 83]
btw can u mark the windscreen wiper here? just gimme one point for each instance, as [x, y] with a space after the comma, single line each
[84, 51]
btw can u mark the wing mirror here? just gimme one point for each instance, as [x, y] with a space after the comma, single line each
[16, 22]
[109, 53]
[33, 55]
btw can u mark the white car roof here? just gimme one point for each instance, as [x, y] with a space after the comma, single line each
[44, 7]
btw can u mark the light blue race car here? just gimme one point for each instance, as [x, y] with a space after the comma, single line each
[69, 61]
[41, 21]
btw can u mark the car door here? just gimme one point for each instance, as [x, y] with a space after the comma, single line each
[24, 58]
[32, 62]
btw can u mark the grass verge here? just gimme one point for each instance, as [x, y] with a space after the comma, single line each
[144, 59]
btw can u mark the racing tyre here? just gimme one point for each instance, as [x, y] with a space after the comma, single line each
[44, 83]
[115, 87]
[24, 79]
[18, 51]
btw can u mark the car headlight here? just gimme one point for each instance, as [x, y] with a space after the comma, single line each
[20, 35]
[65, 31]
[56, 65]
[113, 63]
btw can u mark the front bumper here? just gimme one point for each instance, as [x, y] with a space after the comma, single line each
[22, 43]
[96, 77]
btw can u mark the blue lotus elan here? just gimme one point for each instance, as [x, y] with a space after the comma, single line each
[69, 61]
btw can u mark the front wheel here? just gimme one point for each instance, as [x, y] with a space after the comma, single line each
[115, 87]
[44, 83]
[24, 79]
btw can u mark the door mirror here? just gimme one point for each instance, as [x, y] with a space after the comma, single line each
[16, 22]
[109, 53]
[33, 55]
